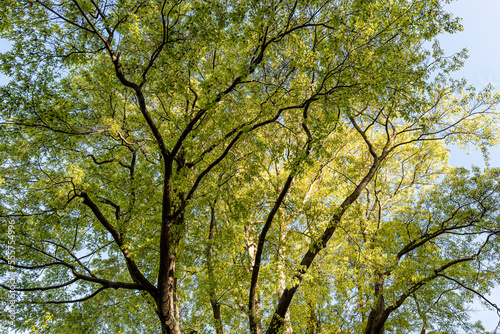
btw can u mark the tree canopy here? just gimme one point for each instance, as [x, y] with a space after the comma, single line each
[242, 167]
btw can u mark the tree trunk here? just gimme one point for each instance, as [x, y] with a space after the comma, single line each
[378, 315]
[167, 289]
[213, 287]
[376, 322]
[282, 279]
[252, 250]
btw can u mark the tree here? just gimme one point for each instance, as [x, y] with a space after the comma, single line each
[242, 166]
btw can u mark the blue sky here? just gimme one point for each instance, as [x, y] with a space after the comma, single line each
[481, 36]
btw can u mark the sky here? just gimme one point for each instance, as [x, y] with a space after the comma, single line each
[481, 36]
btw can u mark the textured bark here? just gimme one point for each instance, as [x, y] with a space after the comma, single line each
[378, 315]
[212, 288]
[255, 320]
[282, 278]
[253, 316]
[170, 236]
[167, 294]
[376, 320]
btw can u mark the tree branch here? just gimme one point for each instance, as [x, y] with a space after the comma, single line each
[134, 271]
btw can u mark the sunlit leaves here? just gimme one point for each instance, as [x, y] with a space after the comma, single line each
[342, 96]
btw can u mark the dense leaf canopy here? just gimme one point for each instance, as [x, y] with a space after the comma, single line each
[242, 167]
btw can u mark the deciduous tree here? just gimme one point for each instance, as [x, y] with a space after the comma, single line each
[242, 166]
